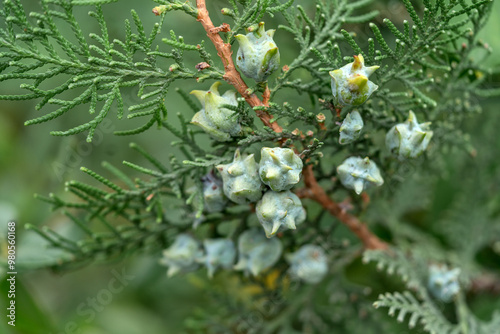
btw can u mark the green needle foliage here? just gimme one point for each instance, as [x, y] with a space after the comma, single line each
[431, 63]
[96, 72]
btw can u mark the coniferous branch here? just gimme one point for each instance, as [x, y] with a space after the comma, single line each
[317, 193]
[425, 67]
[406, 304]
[186, 137]
[403, 265]
[104, 68]
[323, 28]
[431, 49]
[169, 5]
[141, 205]
[267, 135]
[422, 309]
[253, 13]
[231, 75]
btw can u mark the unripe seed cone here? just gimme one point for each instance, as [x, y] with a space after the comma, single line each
[359, 174]
[279, 168]
[409, 139]
[256, 252]
[220, 123]
[258, 56]
[443, 282]
[213, 195]
[350, 84]
[309, 264]
[182, 255]
[241, 182]
[279, 210]
[218, 253]
[351, 127]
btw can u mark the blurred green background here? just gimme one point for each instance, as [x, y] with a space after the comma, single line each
[32, 161]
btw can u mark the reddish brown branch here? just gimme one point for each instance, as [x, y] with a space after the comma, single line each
[231, 75]
[317, 193]
[266, 96]
[224, 27]
[313, 190]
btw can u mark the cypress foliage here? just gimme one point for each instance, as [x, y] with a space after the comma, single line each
[426, 69]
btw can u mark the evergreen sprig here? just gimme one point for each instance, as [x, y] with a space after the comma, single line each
[405, 304]
[425, 67]
[38, 51]
[141, 204]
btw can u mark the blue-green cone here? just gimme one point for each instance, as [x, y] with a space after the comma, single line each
[220, 123]
[213, 195]
[351, 127]
[443, 283]
[256, 252]
[279, 210]
[258, 56]
[219, 253]
[409, 139]
[350, 84]
[309, 264]
[181, 255]
[241, 182]
[279, 168]
[359, 174]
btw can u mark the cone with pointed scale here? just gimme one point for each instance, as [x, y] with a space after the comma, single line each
[350, 84]
[351, 127]
[309, 264]
[359, 174]
[213, 195]
[279, 210]
[258, 56]
[219, 253]
[241, 182]
[220, 123]
[443, 283]
[256, 252]
[409, 139]
[279, 168]
[181, 255]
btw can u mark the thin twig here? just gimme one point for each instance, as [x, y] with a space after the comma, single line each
[231, 75]
[317, 193]
[266, 96]
[314, 190]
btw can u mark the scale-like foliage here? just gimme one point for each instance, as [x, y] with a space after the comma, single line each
[96, 72]
[405, 304]
[426, 66]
